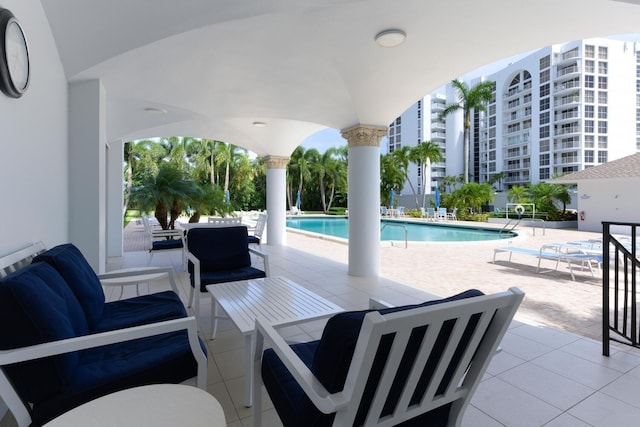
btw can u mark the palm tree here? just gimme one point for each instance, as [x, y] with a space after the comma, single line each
[166, 192]
[402, 156]
[424, 154]
[202, 154]
[391, 176]
[469, 99]
[497, 178]
[517, 194]
[299, 169]
[327, 171]
[449, 183]
[472, 195]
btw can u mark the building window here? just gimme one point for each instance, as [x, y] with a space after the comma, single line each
[492, 155]
[544, 145]
[602, 142]
[602, 126]
[544, 104]
[544, 118]
[527, 98]
[589, 51]
[602, 112]
[545, 76]
[602, 157]
[602, 97]
[602, 52]
[544, 90]
[544, 173]
[545, 62]
[589, 96]
[544, 159]
[602, 67]
[588, 126]
[544, 131]
[399, 120]
[588, 111]
[589, 66]
[602, 82]
[588, 156]
[588, 141]
[588, 81]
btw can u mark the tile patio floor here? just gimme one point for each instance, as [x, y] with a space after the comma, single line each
[550, 372]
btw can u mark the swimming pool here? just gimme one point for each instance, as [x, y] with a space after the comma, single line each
[394, 230]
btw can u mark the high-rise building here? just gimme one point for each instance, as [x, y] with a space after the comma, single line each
[561, 109]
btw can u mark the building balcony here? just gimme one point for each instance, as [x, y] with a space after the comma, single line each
[566, 130]
[565, 72]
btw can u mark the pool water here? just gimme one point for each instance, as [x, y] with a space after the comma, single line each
[394, 230]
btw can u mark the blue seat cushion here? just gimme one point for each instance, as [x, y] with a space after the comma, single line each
[80, 277]
[330, 358]
[222, 276]
[140, 310]
[165, 358]
[36, 306]
[253, 240]
[159, 245]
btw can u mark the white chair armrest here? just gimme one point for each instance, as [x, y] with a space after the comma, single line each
[321, 398]
[265, 259]
[375, 304]
[133, 273]
[53, 348]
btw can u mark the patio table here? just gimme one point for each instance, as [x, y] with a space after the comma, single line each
[277, 300]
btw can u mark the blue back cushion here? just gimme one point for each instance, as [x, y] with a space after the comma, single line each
[80, 277]
[335, 350]
[36, 306]
[219, 248]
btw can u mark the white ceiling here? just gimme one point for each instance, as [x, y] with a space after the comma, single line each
[301, 66]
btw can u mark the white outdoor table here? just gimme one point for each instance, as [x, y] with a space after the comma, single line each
[160, 405]
[277, 300]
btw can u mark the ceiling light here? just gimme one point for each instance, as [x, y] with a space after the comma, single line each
[260, 124]
[154, 110]
[391, 38]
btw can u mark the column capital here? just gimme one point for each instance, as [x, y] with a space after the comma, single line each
[364, 135]
[276, 162]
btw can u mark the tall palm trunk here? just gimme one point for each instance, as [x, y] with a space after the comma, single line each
[466, 146]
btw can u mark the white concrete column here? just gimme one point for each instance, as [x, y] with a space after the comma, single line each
[87, 170]
[276, 200]
[364, 199]
[115, 213]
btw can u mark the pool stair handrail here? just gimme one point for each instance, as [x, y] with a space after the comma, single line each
[406, 232]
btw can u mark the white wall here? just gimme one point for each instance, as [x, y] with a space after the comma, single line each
[607, 200]
[34, 151]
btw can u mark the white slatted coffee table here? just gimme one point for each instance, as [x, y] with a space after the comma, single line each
[275, 299]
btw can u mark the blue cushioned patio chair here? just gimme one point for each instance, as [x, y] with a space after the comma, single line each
[219, 255]
[160, 240]
[62, 344]
[256, 236]
[415, 365]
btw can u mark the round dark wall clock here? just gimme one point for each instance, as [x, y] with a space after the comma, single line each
[14, 56]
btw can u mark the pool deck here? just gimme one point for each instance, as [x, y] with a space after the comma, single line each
[548, 374]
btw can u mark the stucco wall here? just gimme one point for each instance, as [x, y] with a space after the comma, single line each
[607, 200]
[34, 153]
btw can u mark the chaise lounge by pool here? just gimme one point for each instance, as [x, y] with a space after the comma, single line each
[395, 230]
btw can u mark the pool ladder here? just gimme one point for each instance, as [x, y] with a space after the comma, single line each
[532, 223]
[406, 232]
